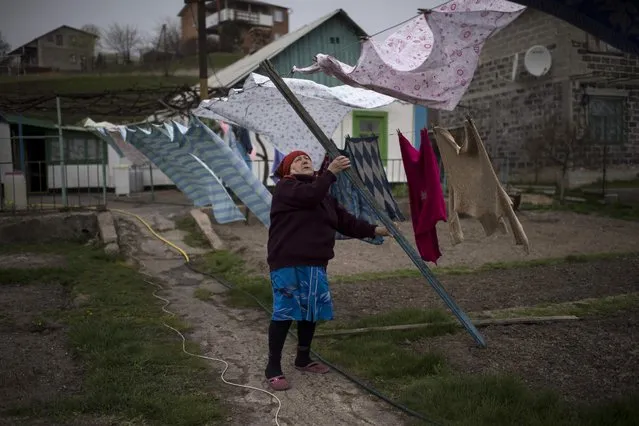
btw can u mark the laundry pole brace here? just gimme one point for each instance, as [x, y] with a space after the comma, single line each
[333, 152]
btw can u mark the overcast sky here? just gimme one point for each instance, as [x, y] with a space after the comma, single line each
[24, 20]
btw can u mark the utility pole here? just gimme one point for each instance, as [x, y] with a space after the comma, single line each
[202, 53]
[201, 46]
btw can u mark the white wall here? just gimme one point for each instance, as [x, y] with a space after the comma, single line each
[6, 159]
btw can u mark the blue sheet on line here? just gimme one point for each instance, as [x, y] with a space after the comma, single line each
[351, 199]
[232, 170]
[196, 182]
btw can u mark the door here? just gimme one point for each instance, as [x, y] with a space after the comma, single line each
[373, 123]
[35, 159]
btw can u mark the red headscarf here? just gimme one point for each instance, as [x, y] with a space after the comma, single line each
[284, 169]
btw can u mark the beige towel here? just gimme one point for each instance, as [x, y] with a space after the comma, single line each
[473, 186]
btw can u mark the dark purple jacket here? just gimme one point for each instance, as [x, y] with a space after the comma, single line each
[304, 218]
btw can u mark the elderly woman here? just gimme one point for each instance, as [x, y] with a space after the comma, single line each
[304, 218]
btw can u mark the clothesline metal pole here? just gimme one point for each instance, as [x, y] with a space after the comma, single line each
[333, 152]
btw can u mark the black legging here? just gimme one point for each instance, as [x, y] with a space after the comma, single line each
[277, 332]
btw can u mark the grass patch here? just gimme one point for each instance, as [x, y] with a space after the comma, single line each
[592, 206]
[394, 317]
[194, 236]
[581, 308]
[612, 184]
[232, 268]
[133, 366]
[203, 294]
[87, 83]
[465, 270]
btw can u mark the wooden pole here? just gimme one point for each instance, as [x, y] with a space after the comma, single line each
[333, 152]
[478, 323]
[202, 52]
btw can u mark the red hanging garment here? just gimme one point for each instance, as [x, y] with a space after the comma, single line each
[427, 206]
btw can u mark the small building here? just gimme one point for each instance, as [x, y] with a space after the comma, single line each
[337, 34]
[586, 100]
[62, 49]
[244, 24]
[88, 159]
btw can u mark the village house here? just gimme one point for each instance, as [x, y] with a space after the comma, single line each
[246, 25]
[588, 93]
[62, 49]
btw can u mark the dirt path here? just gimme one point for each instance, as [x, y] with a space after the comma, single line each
[551, 234]
[239, 337]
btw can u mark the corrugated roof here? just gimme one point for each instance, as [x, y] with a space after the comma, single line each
[239, 70]
[35, 122]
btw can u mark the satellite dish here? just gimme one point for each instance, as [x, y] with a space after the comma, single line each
[537, 60]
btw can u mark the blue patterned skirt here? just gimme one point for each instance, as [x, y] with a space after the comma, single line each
[301, 293]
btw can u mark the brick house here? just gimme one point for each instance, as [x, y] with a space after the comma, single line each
[62, 49]
[591, 88]
[243, 24]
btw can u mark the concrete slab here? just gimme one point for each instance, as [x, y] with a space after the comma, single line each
[204, 223]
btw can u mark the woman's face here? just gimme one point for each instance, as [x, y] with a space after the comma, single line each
[302, 165]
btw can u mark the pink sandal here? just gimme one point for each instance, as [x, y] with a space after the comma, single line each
[278, 383]
[314, 367]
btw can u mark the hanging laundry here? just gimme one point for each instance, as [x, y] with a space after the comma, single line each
[158, 147]
[261, 108]
[191, 177]
[367, 162]
[232, 170]
[474, 188]
[350, 198]
[427, 206]
[431, 59]
[277, 159]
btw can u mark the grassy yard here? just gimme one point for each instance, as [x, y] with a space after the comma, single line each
[87, 83]
[424, 380]
[132, 366]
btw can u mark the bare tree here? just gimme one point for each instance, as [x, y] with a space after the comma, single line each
[5, 48]
[123, 39]
[95, 30]
[560, 145]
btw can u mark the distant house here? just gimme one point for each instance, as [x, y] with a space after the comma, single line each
[62, 49]
[237, 23]
[588, 86]
[337, 34]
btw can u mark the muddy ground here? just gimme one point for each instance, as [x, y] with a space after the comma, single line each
[497, 289]
[588, 361]
[551, 234]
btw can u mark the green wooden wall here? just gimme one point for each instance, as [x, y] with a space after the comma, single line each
[301, 53]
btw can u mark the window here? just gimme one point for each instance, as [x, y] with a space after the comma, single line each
[50, 38]
[58, 39]
[369, 123]
[333, 40]
[77, 150]
[74, 40]
[598, 46]
[606, 119]
[73, 59]
[278, 15]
